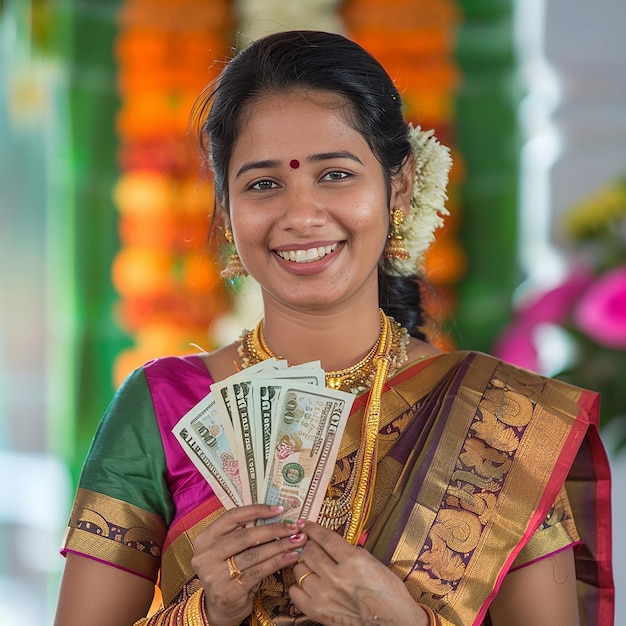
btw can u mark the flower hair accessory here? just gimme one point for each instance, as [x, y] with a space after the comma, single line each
[427, 206]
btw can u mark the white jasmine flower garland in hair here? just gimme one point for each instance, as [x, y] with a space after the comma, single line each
[432, 166]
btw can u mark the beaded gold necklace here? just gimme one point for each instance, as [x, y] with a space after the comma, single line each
[386, 356]
[354, 379]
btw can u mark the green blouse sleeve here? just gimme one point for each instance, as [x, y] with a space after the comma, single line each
[126, 460]
[122, 506]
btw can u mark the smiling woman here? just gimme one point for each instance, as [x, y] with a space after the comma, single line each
[312, 236]
[448, 501]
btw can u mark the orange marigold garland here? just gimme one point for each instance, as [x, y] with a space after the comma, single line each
[170, 290]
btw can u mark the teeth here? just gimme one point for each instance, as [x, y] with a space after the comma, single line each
[307, 256]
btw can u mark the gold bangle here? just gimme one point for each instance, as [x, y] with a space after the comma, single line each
[191, 612]
[433, 618]
[195, 611]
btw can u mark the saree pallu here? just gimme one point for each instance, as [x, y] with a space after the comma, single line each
[473, 458]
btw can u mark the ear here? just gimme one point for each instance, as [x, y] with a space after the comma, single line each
[402, 186]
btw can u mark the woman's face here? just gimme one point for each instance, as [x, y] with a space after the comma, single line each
[308, 202]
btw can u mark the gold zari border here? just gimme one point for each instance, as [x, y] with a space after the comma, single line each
[115, 532]
[473, 488]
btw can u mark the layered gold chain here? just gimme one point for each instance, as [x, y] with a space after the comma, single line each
[354, 379]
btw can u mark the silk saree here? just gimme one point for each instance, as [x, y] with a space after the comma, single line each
[482, 468]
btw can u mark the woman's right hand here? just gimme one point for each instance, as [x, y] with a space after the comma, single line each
[255, 552]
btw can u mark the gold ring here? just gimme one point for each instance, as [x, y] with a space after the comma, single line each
[232, 570]
[299, 583]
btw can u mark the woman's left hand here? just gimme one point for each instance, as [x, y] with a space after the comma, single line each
[343, 585]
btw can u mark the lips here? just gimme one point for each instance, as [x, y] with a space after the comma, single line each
[308, 255]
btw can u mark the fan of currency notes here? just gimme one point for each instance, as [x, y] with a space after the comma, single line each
[268, 434]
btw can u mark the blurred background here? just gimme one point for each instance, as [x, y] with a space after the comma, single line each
[104, 217]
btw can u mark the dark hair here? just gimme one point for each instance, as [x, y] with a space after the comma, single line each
[319, 61]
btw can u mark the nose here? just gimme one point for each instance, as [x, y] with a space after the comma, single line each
[302, 210]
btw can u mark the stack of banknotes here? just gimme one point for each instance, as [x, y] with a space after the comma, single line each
[268, 434]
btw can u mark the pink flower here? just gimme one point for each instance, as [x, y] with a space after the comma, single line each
[601, 312]
[515, 345]
[554, 306]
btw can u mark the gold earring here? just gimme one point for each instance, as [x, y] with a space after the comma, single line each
[234, 268]
[394, 248]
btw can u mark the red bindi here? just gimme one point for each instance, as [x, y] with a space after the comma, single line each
[294, 164]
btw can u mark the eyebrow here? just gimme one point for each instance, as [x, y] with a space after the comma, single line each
[325, 156]
[255, 165]
[315, 158]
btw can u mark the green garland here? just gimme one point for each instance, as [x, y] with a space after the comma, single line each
[85, 32]
[487, 137]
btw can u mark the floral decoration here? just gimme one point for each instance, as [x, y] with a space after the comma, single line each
[169, 287]
[587, 309]
[601, 311]
[428, 202]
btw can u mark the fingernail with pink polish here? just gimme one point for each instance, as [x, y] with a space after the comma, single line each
[296, 537]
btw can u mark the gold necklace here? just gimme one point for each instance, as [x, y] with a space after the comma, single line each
[354, 379]
[362, 486]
